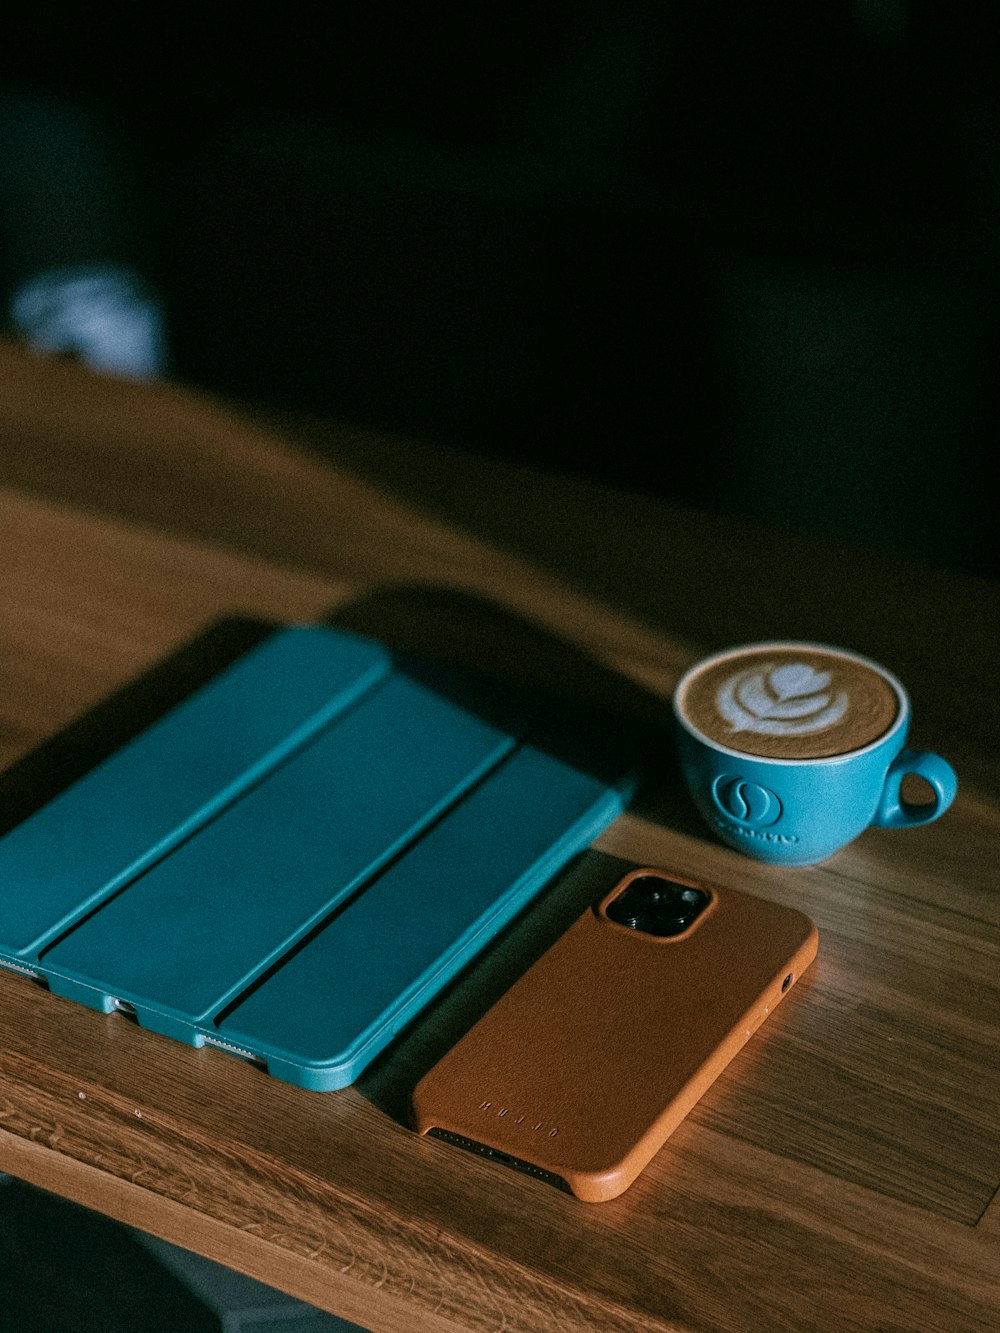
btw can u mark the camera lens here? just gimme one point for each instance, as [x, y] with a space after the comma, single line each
[657, 906]
[648, 889]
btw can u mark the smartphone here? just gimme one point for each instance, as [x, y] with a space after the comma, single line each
[583, 1068]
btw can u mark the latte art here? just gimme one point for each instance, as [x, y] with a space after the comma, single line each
[791, 700]
[788, 701]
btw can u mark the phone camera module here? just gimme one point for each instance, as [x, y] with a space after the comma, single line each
[656, 906]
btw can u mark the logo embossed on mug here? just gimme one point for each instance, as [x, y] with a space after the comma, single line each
[749, 802]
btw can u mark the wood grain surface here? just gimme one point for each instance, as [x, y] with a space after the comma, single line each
[844, 1171]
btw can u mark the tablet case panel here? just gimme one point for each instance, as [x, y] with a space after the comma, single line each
[205, 920]
[174, 776]
[291, 862]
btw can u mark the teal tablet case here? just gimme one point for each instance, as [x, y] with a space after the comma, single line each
[293, 860]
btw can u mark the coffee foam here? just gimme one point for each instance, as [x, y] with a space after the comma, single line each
[788, 701]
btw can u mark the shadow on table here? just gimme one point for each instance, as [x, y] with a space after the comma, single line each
[40, 775]
[488, 656]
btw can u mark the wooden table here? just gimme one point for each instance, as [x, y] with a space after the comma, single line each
[843, 1173]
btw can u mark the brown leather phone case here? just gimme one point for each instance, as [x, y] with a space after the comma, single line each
[583, 1068]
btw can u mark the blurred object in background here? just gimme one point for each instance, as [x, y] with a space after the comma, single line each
[70, 247]
[743, 256]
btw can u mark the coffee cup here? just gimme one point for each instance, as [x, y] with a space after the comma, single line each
[791, 749]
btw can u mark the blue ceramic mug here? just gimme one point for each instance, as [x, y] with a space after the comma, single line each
[791, 749]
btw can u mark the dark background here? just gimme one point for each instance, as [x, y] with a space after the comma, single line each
[745, 255]
[742, 255]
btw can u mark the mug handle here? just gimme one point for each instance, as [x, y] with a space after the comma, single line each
[894, 812]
